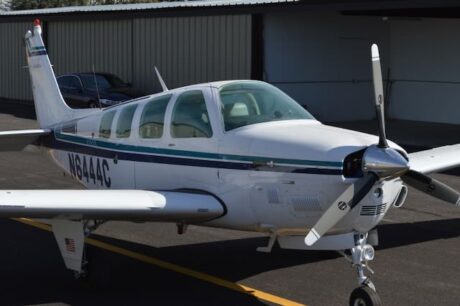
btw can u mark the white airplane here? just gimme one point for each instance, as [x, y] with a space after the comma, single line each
[235, 154]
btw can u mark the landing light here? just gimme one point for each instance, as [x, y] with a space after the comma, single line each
[368, 252]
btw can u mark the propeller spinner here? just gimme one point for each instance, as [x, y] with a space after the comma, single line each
[379, 162]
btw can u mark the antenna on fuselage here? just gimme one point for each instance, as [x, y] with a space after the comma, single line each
[97, 89]
[160, 79]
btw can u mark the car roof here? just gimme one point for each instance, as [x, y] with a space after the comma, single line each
[85, 74]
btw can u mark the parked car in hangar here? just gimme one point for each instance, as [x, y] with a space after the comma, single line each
[80, 91]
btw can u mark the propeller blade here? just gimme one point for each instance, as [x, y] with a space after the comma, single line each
[341, 207]
[431, 187]
[378, 93]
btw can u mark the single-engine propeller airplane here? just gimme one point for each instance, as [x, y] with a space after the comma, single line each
[233, 154]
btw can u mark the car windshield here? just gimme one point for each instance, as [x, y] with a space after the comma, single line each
[115, 81]
[102, 81]
[245, 103]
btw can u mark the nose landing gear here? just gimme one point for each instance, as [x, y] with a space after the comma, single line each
[361, 254]
[364, 296]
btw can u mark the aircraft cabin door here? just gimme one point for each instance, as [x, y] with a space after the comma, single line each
[192, 141]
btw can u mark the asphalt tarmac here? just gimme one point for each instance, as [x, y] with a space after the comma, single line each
[417, 262]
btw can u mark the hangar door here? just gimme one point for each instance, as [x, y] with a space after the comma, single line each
[425, 65]
[323, 61]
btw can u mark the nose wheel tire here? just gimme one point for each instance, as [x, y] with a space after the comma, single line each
[364, 296]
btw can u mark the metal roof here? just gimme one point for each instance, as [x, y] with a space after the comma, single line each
[145, 6]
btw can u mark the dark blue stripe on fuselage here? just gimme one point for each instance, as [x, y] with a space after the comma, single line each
[37, 53]
[57, 144]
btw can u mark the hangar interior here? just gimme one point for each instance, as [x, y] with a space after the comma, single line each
[319, 57]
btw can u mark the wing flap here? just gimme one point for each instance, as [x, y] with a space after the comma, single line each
[437, 159]
[18, 140]
[129, 205]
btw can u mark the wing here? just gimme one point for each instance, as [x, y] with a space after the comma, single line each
[434, 160]
[18, 140]
[132, 205]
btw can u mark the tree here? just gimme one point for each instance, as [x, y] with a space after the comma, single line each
[38, 4]
[5, 5]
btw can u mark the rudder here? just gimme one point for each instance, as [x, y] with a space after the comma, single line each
[49, 104]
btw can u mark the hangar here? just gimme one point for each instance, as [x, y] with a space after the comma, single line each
[316, 51]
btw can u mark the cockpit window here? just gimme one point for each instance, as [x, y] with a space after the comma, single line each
[245, 103]
[190, 117]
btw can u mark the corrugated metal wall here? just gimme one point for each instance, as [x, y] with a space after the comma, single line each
[75, 46]
[192, 50]
[14, 78]
[187, 50]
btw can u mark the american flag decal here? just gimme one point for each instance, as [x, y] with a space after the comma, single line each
[69, 245]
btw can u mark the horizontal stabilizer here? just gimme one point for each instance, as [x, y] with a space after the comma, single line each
[18, 140]
[435, 160]
[129, 205]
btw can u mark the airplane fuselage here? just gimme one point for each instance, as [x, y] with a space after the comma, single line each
[273, 176]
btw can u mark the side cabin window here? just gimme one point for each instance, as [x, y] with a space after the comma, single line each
[125, 121]
[69, 128]
[153, 118]
[105, 128]
[190, 117]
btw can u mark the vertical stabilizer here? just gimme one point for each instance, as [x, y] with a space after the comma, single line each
[49, 104]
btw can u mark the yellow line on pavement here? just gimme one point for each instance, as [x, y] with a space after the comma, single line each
[173, 267]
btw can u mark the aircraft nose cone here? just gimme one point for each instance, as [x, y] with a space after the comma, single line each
[385, 162]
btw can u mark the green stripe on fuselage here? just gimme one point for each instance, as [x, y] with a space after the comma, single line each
[182, 153]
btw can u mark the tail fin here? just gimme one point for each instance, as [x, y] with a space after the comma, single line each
[49, 104]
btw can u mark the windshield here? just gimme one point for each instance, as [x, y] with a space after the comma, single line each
[115, 81]
[246, 103]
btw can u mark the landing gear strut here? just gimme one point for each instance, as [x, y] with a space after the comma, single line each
[84, 272]
[361, 254]
[88, 227]
[70, 237]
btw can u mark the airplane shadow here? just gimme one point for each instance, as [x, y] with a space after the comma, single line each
[401, 234]
[33, 272]
[236, 260]
[18, 109]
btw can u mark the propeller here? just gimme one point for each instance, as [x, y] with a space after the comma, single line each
[341, 207]
[378, 94]
[379, 162]
[432, 187]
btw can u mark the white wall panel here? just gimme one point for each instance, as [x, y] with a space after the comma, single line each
[425, 66]
[323, 61]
